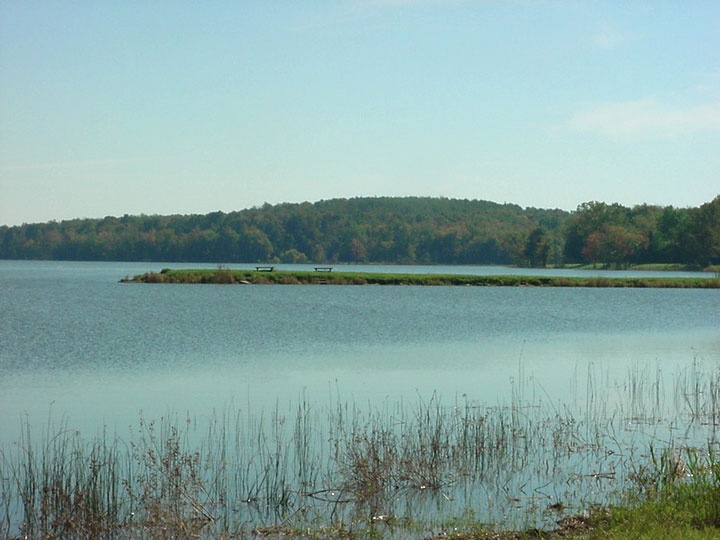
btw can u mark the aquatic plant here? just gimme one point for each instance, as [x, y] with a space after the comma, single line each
[358, 471]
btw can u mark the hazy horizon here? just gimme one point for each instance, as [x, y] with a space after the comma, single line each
[320, 200]
[179, 107]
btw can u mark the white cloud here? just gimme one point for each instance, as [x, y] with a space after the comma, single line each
[647, 118]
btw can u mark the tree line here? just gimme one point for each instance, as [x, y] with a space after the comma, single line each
[403, 230]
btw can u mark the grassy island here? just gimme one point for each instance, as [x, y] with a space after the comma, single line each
[285, 277]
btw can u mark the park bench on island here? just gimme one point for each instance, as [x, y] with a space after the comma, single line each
[323, 268]
[264, 268]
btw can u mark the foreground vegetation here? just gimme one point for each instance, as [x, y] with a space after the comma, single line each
[228, 277]
[398, 230]
[671, 509]
[464, 470]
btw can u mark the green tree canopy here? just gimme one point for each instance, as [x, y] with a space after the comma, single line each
[386, 229]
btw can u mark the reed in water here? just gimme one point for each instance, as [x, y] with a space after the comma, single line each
[345, 470]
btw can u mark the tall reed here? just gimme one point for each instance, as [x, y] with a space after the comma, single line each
[355, 469]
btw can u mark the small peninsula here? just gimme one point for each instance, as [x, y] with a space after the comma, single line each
[324, 276]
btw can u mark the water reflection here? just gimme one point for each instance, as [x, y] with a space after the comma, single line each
[568, 375]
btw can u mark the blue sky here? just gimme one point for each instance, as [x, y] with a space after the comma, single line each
[164, 107]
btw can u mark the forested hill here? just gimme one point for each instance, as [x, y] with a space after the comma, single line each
[385, 229]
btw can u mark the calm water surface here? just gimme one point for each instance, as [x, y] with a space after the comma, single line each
[76, 342]
[80, 348]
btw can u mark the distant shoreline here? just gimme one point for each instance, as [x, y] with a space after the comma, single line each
[265, 276]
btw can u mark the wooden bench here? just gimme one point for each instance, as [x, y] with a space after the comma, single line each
[264, 268]
[323, 268]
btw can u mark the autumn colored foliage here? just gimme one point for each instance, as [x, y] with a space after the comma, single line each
[401, 230]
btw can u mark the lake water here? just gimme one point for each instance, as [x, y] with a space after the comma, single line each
[77, 344]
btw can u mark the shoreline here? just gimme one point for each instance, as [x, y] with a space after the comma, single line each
[223, 276]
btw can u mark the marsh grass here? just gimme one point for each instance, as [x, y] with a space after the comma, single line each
[63, 487]
[388, 469]
[224, 275]
[677, 496]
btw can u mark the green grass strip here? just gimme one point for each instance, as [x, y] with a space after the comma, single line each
[283, 277]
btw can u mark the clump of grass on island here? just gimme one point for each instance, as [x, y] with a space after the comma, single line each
[393, 470]
[285, 277]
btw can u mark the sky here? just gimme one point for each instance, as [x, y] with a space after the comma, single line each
[113, 107]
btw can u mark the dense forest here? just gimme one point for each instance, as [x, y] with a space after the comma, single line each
[387, 229]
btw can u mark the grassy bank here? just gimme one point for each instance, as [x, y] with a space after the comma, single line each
[654, 267]
[671, 509]
[227, 276]
[676, 510]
